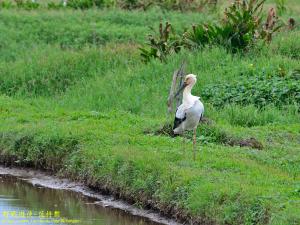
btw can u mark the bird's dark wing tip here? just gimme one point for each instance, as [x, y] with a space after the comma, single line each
[178, 121]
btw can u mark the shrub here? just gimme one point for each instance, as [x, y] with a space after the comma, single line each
[201, 35]
[162, 44]
[242, 25]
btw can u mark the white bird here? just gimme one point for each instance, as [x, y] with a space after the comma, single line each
[189, 113]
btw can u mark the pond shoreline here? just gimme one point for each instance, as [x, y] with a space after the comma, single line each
[46, 179]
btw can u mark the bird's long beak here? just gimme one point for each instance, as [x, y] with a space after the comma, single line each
[180, 89]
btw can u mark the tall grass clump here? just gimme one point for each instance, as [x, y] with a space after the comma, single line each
[287, 44]
[41, 153]
[250, 115]
[281, 6]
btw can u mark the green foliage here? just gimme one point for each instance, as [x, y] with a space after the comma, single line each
[53, 5]
[257, 213]
[281, 6]
[161, 45]
[85, 4]
[6, 4]
[213, 134]
[44, 153]
[287, 45]
[202, 35]
[235, 33]
[241, 28]
[258, 90]
[250, 116]
[28, 4]
[242, 22]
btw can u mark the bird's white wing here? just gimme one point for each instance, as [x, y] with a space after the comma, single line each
[180, 113]
[180, 116]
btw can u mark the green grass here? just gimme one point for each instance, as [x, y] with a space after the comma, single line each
[88, 109]
[24, 30]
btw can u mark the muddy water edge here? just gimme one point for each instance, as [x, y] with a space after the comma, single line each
[34, 197]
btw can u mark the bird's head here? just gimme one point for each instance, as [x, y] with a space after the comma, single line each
[189, 80]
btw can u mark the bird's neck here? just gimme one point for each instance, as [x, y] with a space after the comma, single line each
[187, 95]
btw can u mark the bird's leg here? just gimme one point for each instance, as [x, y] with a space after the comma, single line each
[194, 143]
[183, 143]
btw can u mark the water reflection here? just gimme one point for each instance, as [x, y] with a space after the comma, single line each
[21, 203]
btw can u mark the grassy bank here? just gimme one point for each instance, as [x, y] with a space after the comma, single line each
[76, 100]
[111, 151]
